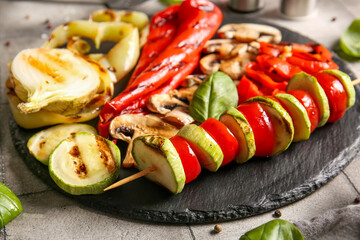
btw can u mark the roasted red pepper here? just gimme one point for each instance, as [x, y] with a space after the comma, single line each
[199, 21]
[277, 66]
[162, 31]
[311, 67]
[247, 89]
[254, 71]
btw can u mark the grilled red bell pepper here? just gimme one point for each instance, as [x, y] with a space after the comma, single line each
[311, 67]
[222, 136]
[253, 70]
[162, 31]
[247, 89]
[335, 93]
[188, 158]
[277, 67]
[199, 21]
[262, 127]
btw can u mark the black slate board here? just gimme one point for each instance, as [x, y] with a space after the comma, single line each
[234, 191]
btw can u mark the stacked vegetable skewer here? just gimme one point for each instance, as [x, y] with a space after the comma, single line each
[262, 126]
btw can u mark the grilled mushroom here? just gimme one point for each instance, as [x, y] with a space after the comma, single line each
[193, 80]
[248, 32]
[184, 94]
[210, 63]
[128, 126]
[179, 116]
[163, 103]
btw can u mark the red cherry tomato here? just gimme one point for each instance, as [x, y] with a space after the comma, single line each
[335, 93]
[188, 158]
[311, 108]
[262, 127]
[222, 136]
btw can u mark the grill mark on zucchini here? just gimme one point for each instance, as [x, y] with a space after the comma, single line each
[105, 154]
[79, 166]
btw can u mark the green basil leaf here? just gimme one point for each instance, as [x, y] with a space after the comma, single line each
[350, 39]
[216, 94]
[277, 229]
[10, 205]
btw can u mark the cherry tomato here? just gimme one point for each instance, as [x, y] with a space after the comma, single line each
[311, 108]
[262, 127]
[222, 136]
[335, 93]
[188, 158]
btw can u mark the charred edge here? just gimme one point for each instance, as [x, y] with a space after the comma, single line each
[75, 152]
[96, 99]
[169, 106]
[128, 14]
[183, 99]
[105, 154]
[214, 62]
[41, 144]
[110, 13]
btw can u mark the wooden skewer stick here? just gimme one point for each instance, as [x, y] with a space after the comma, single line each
[131, 178]
[355, 82]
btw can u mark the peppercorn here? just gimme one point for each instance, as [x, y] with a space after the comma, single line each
[217, 228]
[277, 214]
[357, 200]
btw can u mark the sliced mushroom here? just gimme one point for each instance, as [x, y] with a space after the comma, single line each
[193, 80]
[184, 94]
[254, 47]
[222, 46]
[179, 116]
[163, 103]
[248, 32]
[210, 63]
[128, 126]
[239, 49]
[125, 126]
[235, 67]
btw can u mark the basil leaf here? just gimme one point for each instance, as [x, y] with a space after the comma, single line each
[350, 39]
[10, 205]
[213, 97]
[277, 229]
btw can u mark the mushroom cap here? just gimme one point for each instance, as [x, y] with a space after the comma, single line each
[124, 126]
[163, 103]
[248, 32]
[210, 63]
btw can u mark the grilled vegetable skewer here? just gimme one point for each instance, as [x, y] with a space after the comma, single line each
[247, 133]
